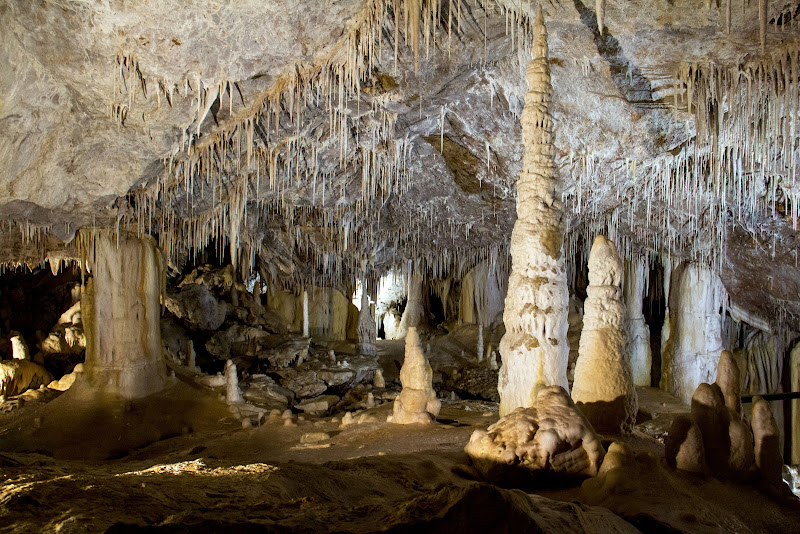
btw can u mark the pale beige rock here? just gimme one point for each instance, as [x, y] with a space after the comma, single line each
[417, 402]
[729, 381]
[603, 387]
[549, 440]
[534, 348]
[414, 309]
[769, 459]
[683, 446]
[121, 311]
[19, 348]
[378, 381]
[18, 376]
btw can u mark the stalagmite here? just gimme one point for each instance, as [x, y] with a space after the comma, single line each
[366, 327]
[191, 355]
[690, 355]
[232, 392]
[493, 365]
[19, 349]
[683, 446]
[417, 402]
[479, 350]
[378, 381]
[769, 459]
[305, 313]
[638, 331]
[534, 348]
[414, 310]
[794, 363]
[121, 312]
[603, 387]
[711, 416]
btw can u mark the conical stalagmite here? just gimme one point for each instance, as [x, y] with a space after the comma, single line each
[534, 348]
[417, 402]
[603, 387]
[121, 312]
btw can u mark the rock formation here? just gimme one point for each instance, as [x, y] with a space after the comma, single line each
[366, 326]
[232, 392]
[636, 274]
[694, 339]
[768, 457]
[711, 416]
[683, 446]
[19, 349]
[18, 376]
[534, 348]
[121, 312]
[414, 310]
[417, 402]
[549, 440]
[603, 387]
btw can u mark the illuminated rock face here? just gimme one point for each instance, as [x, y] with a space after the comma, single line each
[534, 348]
[121, 313]
[603, 387]
[417, 402]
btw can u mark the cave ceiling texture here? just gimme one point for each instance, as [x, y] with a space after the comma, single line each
[311, 137]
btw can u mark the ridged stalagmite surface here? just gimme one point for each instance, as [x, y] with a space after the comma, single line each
[636, 273]
[366, 326]
[121, 312]
[603, 387]
[534, 348]
[417, 402]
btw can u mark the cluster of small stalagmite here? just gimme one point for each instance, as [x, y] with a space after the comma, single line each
[534, 348]
[717, 439]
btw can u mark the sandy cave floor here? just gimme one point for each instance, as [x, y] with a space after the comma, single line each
[179, 462]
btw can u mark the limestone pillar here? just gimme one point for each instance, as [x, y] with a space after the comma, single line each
[121, 312]
[366, 326]
[534, 348]
[603, 387]
[638, 332]
[794, 363]
[690, 356]
[414, 310]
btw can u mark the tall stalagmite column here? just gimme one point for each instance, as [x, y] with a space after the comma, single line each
[366, 326]
[535, 349]
[603, 387]
[121, 313]
[638, 331]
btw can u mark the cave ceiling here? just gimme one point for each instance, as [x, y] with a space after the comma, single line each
[313, 137]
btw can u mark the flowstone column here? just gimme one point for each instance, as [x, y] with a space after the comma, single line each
[121, 312]
[366, 326]
[534, 348]
[638, 331]
[690, 355]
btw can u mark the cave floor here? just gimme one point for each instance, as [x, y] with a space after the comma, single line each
[180, 461]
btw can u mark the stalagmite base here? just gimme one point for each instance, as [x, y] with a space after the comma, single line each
[535, 349]
[121, 313]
